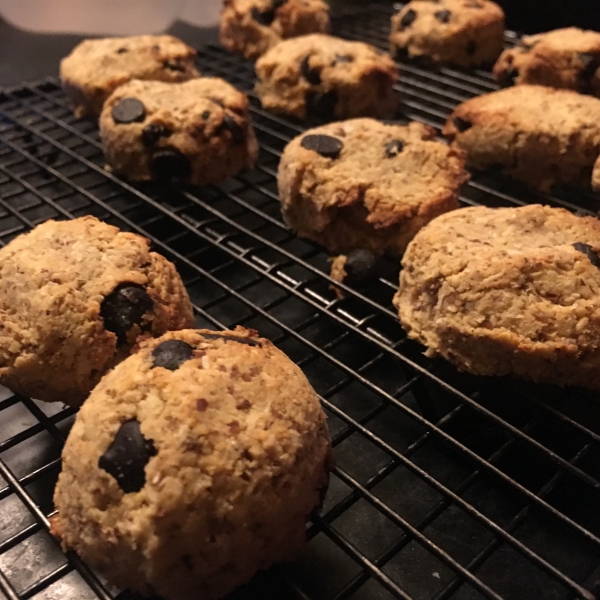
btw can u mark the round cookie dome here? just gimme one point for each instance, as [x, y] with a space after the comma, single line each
[74, 298]
[193, 464]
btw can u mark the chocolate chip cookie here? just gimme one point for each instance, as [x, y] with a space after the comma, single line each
[538, 134]
[251, 27]
[194, 464]
[565, 58]
[75, 296]
[362, 184]
[325, 78]
[96, 68]
[195, 132]
[466, 33]
[507, 291]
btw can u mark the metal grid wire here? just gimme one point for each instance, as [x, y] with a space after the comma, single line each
[446, 485]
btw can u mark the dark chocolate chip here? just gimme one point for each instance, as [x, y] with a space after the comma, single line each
[173, 65]
[394, 148]
[123, 308]
[231, 125]
[217, 101]
[325, 145]
[128, 110]
[171, 354]
[589, 252]
[443, 16]
[153, 132]
[462, 124]
[265, 17]
[343, 58]
[509, 77]
[471, 48]
[121, 50]
[205, 115]
[170, 163]
[156, 47]
[408, 19]
[590, 62]
[313, 76]
[360, 267]
[127, 457]
[321, 106]
[231, 338]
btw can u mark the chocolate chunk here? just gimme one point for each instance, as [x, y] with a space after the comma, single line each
[360, 267]
[509, 77]
[471, 48]
[591, 62]
[394, 148]
[156, 47]
[237, 132]
[343, 58]
[170, 163]
[443, 16]
[123, 308]
[153, 132]
[173, 65]
[408, 19]
[231, 338]
[313, 76]
[205, 115]
[265, 17]
[171, 354]
[321, 105]
[589, 252]
[128, 110]
[325, 145]
[121, 50]
[127, 457]
[462, 124]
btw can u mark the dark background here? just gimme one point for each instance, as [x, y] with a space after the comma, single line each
[28, 57]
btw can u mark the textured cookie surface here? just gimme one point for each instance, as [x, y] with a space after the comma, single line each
[74, 297]
[193, 464]
[364, 184]
[461, 32]
[538, 134]
[325, 78]
[95, 68]
[507, 291]
[251, 27]
[197, 132]
[564, 58]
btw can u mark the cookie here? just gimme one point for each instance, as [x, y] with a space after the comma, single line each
[362, 184]
[251, 27]
[196, 132]
[325, 78]
[565, 58]
[467, 33]
[75, 296]
[507, 291]
[96, 68]
[538, 134]
[194, 464]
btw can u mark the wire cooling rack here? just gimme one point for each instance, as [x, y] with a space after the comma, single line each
[446, 486]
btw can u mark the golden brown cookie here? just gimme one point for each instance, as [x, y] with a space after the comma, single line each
[538, 134]
[323, 78]
[75, 296]
[96, 68]
[565, 58]
[197, 132]
[194, 464]
[362, 184]
[507, 291]
[251, 27]
[467, 33]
